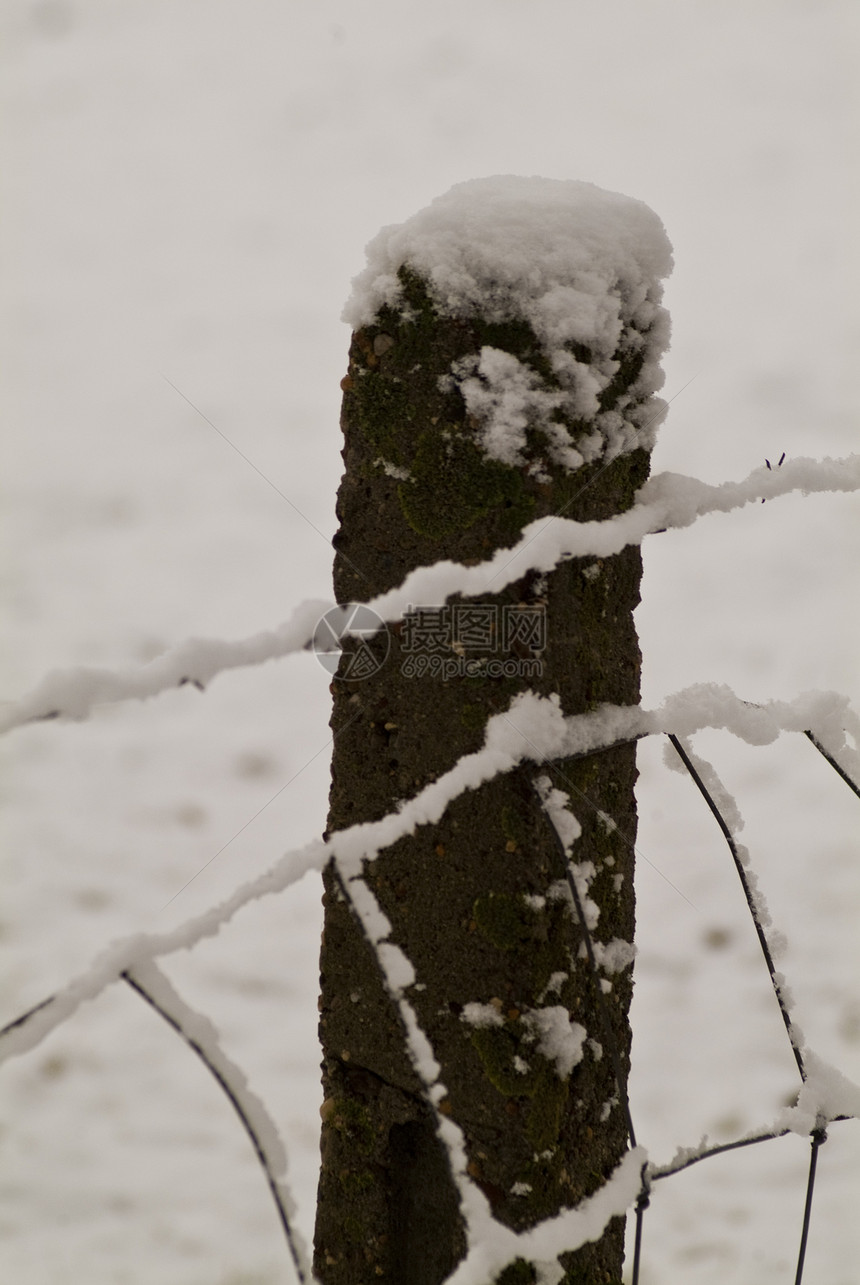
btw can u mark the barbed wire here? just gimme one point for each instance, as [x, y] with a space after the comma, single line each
[666, 502]
[416, 1041]
[669, 502]
[818, 1135]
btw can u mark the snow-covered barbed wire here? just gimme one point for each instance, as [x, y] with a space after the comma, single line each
[666, 501]
[72, 694]
[534, 729]
[825, 1094]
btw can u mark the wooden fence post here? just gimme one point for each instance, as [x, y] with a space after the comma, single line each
[502, 369]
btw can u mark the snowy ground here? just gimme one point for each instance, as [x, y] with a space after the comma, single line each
[188, 191]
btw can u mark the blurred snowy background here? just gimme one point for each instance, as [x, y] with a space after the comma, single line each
[188, 186]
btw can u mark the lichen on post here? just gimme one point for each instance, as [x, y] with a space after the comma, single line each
[503, 368]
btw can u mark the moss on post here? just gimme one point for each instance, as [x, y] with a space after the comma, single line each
[474, 901]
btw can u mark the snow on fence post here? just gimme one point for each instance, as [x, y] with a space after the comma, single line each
[503, 367]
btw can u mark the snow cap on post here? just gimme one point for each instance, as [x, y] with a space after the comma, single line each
[581, 265]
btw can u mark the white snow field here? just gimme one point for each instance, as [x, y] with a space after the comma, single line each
[188, 191]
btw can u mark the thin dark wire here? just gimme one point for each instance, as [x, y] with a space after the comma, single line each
[667, 1171]
[819, 1136]
[24, 1018]
[240, 1111]
[260, 472]
[852, 785]
[259, 811]
[655, 1172]
[642, 1203]
[763, 942]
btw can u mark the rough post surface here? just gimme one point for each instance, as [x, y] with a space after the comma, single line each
[476, 902]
